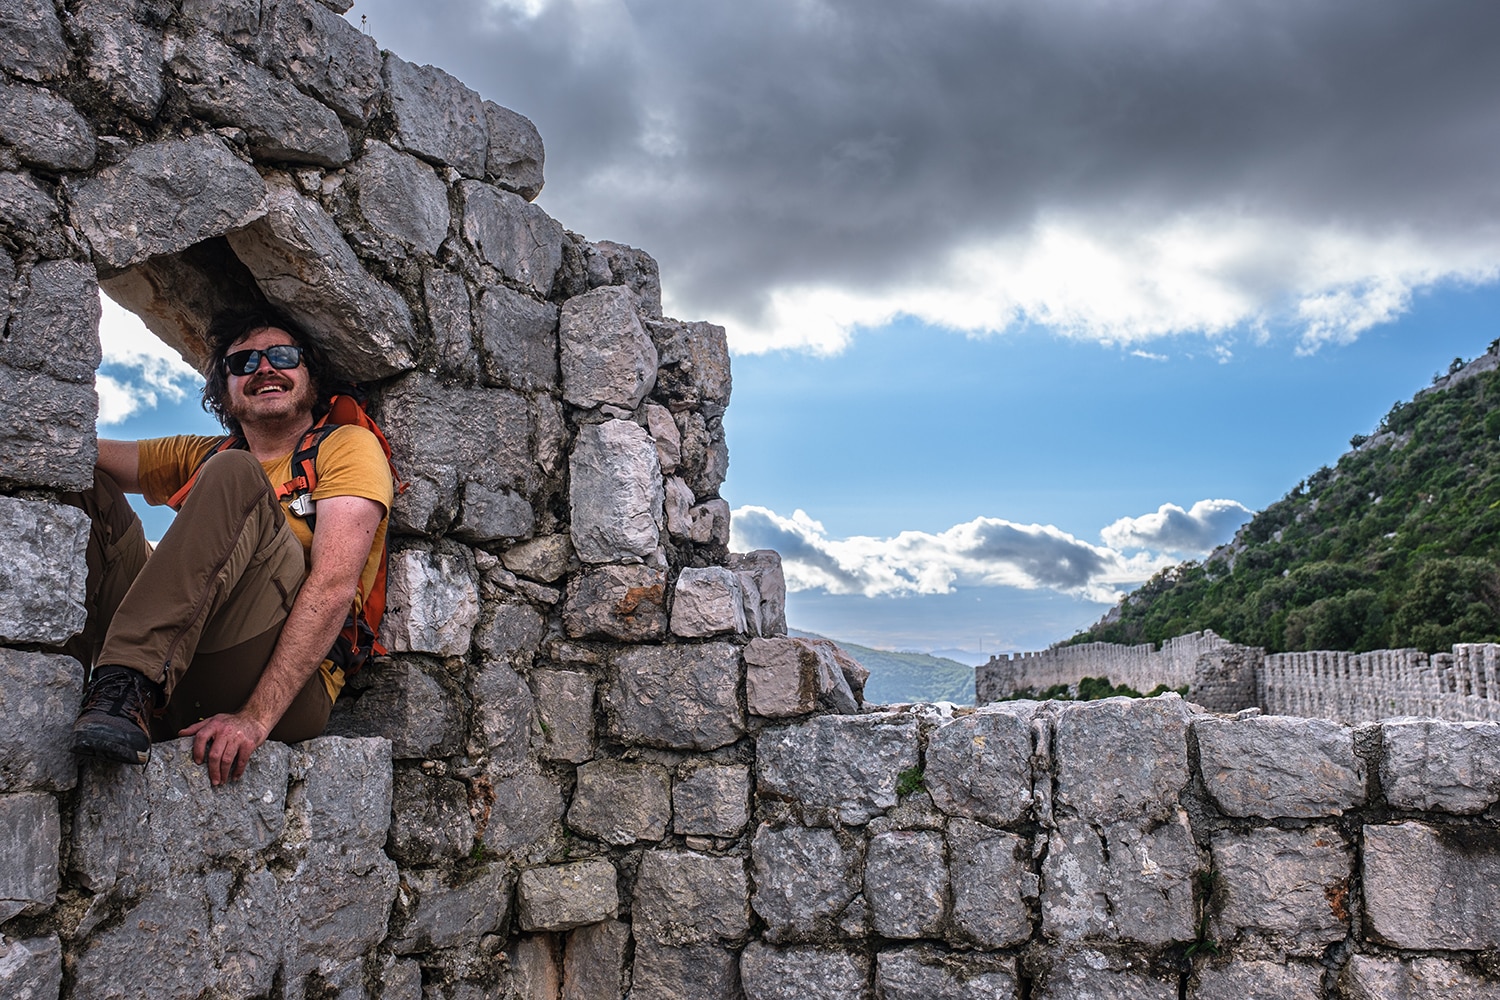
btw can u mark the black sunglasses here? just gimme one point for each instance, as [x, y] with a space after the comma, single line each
[281, 356]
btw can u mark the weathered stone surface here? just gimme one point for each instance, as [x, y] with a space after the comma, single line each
[55, 326]
[488, 515]
[1369, 978]
[447, 299]
[713, 801]
[430, 819]
[516, 156]
[411, 702]
[327, 56]
[705, 455]
[551, 434]
[447, 912]
[29, 836]
[340, 794]
[906, 883]
[785, 677]
[279, 122]
[236, 23]
[432, 601]
[509, 633]
[1121, 758]
[664, 431]
[401, 197]
[1271, 766]
[561, 897]
[708, 523]
[39, 696]
[165, 196]
[607, 356]
[503, 715]
[437, 117]
[34, 47]
[42, 571]
[678, 504]
[340, 900]
[122, 53]
[1244, 980]
[804, 880]
[979, 766]
[694, 364]
[1290, 884]
[695, 972]
[518, 340]
[635, 269]
[594, 961]
[31, 969]
[1426, 887]
[545, 558]
[1120, 882]
[518, 239]
[44, 129]
[621, 802]
[838, 765]
[621, 602]
[1451, 766]
[796, 973]
[992, 882]
[565, 710]
[525, 815]
[47, 436]
[1089, 975]
[683, 898]
[707, 601]
[683, 697]
[303, 264]
[927, 974]
[536, 967]
[764, 566]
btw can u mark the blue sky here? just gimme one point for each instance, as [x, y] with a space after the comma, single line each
[1005, 281]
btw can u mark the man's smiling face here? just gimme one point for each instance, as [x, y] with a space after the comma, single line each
[268, 394]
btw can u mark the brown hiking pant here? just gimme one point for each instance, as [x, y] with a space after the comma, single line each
[202, 614]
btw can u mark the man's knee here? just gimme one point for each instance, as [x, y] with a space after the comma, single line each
[233, 465]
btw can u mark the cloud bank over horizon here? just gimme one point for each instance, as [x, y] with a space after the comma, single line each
[1124, 173]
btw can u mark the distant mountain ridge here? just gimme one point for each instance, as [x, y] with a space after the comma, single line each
[906, 677]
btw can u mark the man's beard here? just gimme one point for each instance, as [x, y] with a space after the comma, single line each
[297, 402]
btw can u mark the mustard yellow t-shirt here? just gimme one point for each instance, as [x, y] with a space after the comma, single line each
[350, 463]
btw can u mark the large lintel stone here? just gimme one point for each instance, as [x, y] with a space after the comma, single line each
[616, 493]
[1273, 766]
[42, 571]
[683, 697]
[437, 117]
[39, 696]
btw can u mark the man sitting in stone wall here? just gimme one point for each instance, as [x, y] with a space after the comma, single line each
[224, 632]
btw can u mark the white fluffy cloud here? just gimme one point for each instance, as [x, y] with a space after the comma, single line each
[142, 372]
[1186, 533]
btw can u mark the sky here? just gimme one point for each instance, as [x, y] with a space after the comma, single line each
[1026, 300]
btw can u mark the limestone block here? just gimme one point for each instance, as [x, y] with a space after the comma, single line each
[430, 819]
[694, 361]
[47, 434]
[1367, 977]
[635, 269]
[516, 157]
[713, 801]
[279, 121]
[678, 504]
[768, 973]
[544, 558]
[432, 601]
[676, 697]
[518, 340]
[694, 972]
[55, 326]
[399, 980]
[607, 356]
[705, 456]
[751, 603]
[928, 974]
[163, 197]
[804, 879]
[1242, 980]
[621, 802]
[536, 967]
[449, 910]
[516, 238]
[401, 197]
[551, 434]
[44, 129]
[31, 213]
[411, 702]
[1271, 766]
[838, 765]
[447, 300]
[1089, 975]
[437, 117]
[509, 633]
[565, 711]
[34, 47]
[668, 440]
[1290, 884]
[708, 523]
[906, 883]
[31, 969]
[488, 515]
[683, 898]
[707, 601]
[39, 697]
[992, 881]
[327, 57]
[525, 817]
[1121, 758]
[503, 714]
[302, 263]
[979, 766]
[1430, 887]
[29, 837]
[594, 961]
[785, 677]
[236, 23]
[340, 900]
[340, 794]
[561, 897]
[764, 565]
[619, 602]
[1451, 766]
[1125, 882]
[122, 53]
[42, 571]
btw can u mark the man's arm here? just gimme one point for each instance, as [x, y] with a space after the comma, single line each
[122, 461]
[341, 545]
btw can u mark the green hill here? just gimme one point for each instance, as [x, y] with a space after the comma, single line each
[906, 677]
[1395, 546]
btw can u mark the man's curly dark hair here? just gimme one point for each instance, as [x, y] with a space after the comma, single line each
[230, 326]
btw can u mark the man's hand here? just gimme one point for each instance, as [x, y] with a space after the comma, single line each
[225, 742]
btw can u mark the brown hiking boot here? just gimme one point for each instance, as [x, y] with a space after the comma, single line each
[114, 721]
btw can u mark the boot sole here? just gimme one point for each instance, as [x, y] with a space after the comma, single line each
[107, 746]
